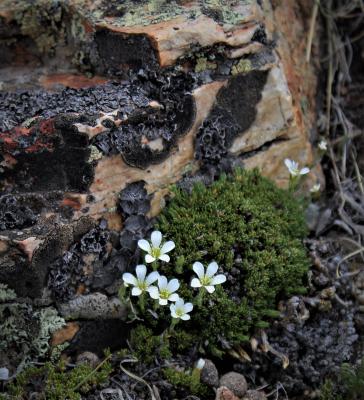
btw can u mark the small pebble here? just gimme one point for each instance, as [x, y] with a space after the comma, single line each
[235, 382]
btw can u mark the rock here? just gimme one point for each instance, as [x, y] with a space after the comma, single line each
[65, 334]
[93, 306]
[97, 335]
[254, 395]
[88, 358]
[235, 382]
[223, 393]
[209, 374]
[178, 91]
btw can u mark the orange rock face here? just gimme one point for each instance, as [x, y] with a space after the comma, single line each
[143, 92]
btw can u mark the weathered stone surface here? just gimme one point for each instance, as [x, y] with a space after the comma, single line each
[93, 306]
[88, 358]
[209, 374]
[254, 395]
[235, 382]
[223, 393]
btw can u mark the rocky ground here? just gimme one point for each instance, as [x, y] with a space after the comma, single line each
[102, 107]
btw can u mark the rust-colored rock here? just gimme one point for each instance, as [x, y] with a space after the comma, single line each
[65, 334]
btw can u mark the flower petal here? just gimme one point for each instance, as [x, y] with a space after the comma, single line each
[149, 259]
[210, 289]
[195, 283]
[179, 303]
[162, 282]
[173, 311]
[288, 163]
[173, 297]
[304, 171]
[167, 247]
[218, 279]
[173, 285]
[130, 279]
[153, 292]
[136, 291]
[185, 317]
[152, 277]
[212, 269]
[199, 269]
[144, 245]
[141, 271]
[164, 257]
[188, 307]
[156, 238]
[163, 302]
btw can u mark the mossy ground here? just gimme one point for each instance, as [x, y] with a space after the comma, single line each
[254, 231]
[56, 382]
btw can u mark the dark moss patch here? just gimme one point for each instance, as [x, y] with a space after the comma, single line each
[56, 382]
[254, 231]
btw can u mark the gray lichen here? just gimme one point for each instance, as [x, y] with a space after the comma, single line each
[24, 332]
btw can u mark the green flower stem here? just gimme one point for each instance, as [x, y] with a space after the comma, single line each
[173, 324]
[142, 302]
[293, 183]
[155, 265]
[198, 300]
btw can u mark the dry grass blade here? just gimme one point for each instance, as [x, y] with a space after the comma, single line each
[136, 377]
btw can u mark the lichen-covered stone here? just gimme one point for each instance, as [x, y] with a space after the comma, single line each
[93, 306]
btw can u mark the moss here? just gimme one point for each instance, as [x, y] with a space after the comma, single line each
[254, 231]
[146, 344]
[56, 382]
[353, 380]
[189, 380]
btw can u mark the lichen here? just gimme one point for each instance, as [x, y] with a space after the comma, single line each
[6, 294]
[24, 332]
[242, 67]
[202, 64]
[49, 322]
[42, 22]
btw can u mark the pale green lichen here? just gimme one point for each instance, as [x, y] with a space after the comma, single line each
[203, 64]
[42, 21]
[24, 333]
[242, 67]
[6, 294]
[49, 322]
[156, 11]
[95, 154]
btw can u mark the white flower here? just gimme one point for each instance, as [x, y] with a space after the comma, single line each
[154, 249]
[322, 145]
[315, 188]
[207, 280]
[294, 169]
[200, 363]
[181, 309]
[165, 290]
[141, 282]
